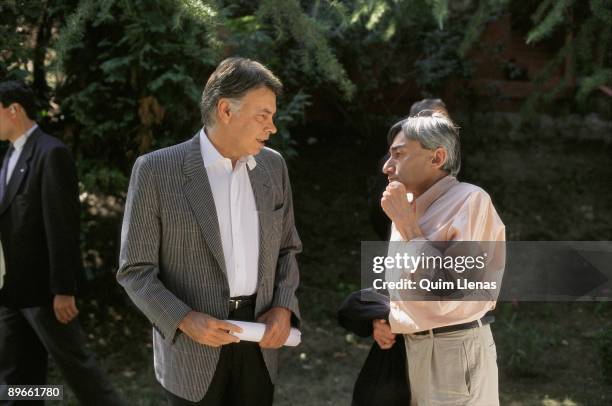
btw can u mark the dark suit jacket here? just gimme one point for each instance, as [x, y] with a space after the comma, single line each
[39, 225]
[382, 380]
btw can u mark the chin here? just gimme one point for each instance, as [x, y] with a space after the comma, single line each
[252, 151]
[258, 149]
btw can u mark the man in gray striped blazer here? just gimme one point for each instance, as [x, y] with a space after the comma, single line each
[208, 235]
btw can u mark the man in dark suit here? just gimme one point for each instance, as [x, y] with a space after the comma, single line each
[39, 230]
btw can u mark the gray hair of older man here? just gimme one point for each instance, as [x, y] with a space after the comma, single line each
[232, 79]
[432, 130]
[424, 107]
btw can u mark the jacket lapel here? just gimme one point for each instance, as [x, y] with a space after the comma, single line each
[261, 189]
[199, 195]
[20, 171]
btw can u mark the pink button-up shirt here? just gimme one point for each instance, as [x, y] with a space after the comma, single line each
[450, 211]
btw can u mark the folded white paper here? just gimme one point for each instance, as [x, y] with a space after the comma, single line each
[255, 332]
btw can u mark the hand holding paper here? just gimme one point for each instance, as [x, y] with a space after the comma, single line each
[208, 330]
[278, 324]
[255, 332]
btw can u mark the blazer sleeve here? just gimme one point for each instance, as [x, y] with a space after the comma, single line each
[287, 274]
[61, 217]
[139, 256]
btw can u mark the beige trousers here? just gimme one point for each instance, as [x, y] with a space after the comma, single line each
[457, 368]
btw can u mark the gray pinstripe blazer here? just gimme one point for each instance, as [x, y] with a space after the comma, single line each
[172, 261]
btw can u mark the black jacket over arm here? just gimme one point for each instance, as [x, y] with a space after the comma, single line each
[382, 380]
[39, 225]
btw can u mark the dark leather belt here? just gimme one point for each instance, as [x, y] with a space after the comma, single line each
[458, 327]
[239, 302]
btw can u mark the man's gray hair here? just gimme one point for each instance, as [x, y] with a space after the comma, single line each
[434, 131]
[232, 79]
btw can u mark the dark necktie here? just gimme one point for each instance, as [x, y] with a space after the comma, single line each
[4, 171]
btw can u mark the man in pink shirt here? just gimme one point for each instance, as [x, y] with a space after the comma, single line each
[450, 350]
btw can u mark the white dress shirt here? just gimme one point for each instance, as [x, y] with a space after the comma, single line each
[237, 215]
[18, 145]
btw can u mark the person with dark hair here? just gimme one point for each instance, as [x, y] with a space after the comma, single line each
[39, 229]
[209, 236]
[431, 105]
[380, 222]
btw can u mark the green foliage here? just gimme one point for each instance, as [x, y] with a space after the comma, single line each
[386, 46]
[439, 61]
[73, 33]
[26, 29]
[14, 53]
[487, 10]
[604, 347]
[602, 9]
[138, 91]
[585, 54]
[439, 9]
[545, 26]
[596, 79]
[287, 16]
[127, 74]
[148, 63]
[291, 113]
[524, 347]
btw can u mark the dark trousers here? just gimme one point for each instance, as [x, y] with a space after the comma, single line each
[28, 335]
[241, 377]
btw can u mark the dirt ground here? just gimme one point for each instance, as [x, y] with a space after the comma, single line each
[322, 370]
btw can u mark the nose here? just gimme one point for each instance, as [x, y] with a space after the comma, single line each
[271, 127]
[388, 167]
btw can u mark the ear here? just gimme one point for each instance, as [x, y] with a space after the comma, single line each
[438, 159]
[224, 110]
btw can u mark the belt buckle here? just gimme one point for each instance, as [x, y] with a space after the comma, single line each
[236, 303]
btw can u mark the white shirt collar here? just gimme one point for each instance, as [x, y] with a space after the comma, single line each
[211, 155]
[20, 142]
